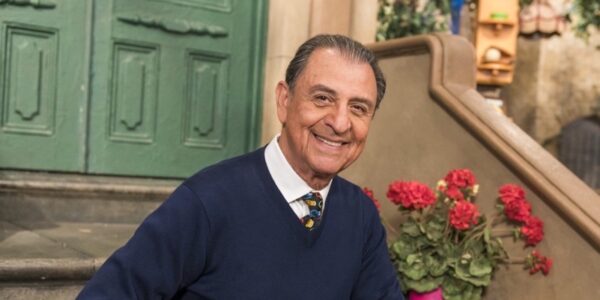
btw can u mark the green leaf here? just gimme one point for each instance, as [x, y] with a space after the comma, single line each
[480, 267]
[424, 285]
[434, 229]
[437, 265]
[411, 228]
[479, 281]
[453, 286]
[403, 248]
[462, 272]
[412, 258]
[415, 270]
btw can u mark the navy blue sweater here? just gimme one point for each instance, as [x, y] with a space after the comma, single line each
[228, 233]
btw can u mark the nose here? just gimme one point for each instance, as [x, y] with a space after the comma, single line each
[338, 119]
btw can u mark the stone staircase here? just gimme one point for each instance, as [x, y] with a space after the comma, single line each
[56, 230]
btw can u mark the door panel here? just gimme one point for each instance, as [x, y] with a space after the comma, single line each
[133, 95]
[175, 85]
[43, 84]
[206, 100]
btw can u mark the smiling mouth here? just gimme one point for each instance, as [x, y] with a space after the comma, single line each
[328, 142]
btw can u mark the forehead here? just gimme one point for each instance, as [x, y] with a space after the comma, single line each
[327, 66]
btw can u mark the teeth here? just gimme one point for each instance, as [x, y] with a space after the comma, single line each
[330, 143]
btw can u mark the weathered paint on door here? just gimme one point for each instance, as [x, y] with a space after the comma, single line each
[43, 84]
[175, 86]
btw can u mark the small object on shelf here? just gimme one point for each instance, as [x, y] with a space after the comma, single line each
[492, 55]
[499, 16]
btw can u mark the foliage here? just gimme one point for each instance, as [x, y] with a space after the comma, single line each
[400, 18]
[588, 15]
[447, 242]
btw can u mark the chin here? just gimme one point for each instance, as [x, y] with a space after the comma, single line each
[328, 170]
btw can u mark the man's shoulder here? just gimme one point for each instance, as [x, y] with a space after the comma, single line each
[226, 171]
[353, 194]
[346, 187]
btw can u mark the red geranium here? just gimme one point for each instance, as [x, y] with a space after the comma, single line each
[510, 193]
[454, 193]
[517, 210]
[369, 193]
[463, 215]
[460, 178]
[453, 221]
[533, 231]
[410, 194]
[537, 262]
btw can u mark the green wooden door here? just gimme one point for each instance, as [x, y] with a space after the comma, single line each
[176, 84]
[43, 84]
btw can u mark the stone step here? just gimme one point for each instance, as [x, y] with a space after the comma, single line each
[56, 230]
[40, 197]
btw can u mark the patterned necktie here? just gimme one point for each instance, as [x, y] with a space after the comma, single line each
[315, 206]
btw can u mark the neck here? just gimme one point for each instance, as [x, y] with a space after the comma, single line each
[314, 180]
[317, 183]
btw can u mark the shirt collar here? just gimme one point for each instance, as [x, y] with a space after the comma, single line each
[289, 183]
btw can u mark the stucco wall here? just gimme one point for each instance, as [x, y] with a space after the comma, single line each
[417, 137]
[556, 82]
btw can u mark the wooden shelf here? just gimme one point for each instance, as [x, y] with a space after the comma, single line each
[497, 24]
[495, 69]
[495, 66]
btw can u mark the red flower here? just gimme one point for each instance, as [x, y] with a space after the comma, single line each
[517, 210]
[460, 178]
[537, 262]
[511, 192]
[454, 193]
[463, 215]
[533, 231]
[410, 194]
[369, 193]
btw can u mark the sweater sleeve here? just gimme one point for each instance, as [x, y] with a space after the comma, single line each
[377, 279]
[166, 253]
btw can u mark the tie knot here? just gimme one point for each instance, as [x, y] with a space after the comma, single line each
[314, 201]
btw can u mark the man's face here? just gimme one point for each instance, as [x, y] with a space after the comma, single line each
[327, 115]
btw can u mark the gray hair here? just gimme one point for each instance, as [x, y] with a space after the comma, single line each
[346, 46]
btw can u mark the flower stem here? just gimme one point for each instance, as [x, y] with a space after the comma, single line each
[516, 261]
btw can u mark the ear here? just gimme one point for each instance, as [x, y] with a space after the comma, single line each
[282, 93]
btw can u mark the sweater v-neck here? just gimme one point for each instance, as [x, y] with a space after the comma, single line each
[285, 212]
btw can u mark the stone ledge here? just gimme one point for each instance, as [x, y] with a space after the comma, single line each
[59, 197]
[48, 269]
[36, 183]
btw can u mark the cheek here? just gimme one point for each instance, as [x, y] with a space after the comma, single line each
[361, 130]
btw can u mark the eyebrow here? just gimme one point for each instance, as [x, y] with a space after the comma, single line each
[323, 88]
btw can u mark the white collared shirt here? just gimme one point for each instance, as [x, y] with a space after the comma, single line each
[289, 183]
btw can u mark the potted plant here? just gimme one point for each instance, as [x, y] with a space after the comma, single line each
[447, 246]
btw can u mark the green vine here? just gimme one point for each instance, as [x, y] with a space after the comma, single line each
[400, 18]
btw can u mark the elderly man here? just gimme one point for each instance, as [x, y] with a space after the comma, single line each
[277, 223]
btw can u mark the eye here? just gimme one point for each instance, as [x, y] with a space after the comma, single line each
[359, 109]
[322, 99]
